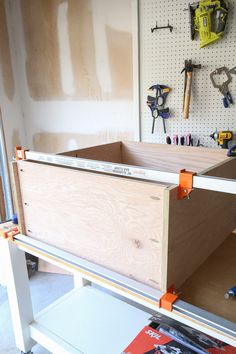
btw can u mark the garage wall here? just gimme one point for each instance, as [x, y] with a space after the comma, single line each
[75, 66]
[162, 56]
[9, 91]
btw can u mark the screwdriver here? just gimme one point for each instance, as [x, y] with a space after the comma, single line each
[168, 140]
[182, 140]
[175, 139]
[189, 140]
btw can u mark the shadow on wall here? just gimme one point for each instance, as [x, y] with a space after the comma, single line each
[62, 142]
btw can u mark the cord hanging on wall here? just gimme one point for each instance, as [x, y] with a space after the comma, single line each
[162, 27]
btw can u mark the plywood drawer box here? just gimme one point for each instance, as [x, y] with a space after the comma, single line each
[137, 228]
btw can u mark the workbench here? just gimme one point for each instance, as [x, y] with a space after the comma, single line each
[63, 188]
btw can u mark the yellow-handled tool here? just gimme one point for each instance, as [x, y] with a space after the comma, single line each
[188, 69]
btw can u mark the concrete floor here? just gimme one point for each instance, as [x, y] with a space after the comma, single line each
[41, 297]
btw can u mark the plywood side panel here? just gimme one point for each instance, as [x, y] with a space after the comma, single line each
[107, 152]
[207, 286]
[198, 226]
[111, 221]
[18, 197]
[171, 158]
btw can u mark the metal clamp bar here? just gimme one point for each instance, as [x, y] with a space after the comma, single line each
[140, 293]
[200, 181]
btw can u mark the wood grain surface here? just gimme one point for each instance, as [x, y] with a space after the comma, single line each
[168, 158]
[171, 158]
[107, 152]
[114, 222]
[207, 286]
[18, 197]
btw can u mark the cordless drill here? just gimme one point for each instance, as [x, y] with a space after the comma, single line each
[222, 138]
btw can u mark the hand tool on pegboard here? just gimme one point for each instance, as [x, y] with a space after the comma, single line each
[224, 86]
[208, 18]
[162, 27]
[175, 139]
[156, 99]
[189, 140]
[188, 69]
[222, 138]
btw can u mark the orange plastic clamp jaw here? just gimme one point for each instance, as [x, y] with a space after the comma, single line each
[167, 300]
[20, 153]
[185, 184]
[10, 233]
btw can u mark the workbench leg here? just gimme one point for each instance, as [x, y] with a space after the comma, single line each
[18, 295]
[79, 281]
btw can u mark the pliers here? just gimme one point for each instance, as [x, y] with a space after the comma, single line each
[224, 87]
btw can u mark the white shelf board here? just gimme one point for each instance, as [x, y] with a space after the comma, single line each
[88, 321]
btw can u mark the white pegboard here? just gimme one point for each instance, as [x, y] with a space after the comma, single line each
[162, 56]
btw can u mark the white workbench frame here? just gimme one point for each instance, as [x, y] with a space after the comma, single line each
[53, 327]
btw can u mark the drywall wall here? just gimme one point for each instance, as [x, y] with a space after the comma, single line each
[75, 66]
[10, 104]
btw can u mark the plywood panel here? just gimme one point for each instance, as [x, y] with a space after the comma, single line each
[111, 221]
[207, 286]
[168, 158]
[108, 152]
[171, 158]
[18, 197]
[196, 227]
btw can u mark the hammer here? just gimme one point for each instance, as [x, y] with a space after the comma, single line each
[188, 69]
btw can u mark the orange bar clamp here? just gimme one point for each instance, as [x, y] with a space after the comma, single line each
[167, 300]
[185, 184]
[20, 153]
[11, 232]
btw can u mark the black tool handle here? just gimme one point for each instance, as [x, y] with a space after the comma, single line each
[153, 124]
[164, 125]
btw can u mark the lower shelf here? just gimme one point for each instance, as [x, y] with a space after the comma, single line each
[87, 320]
[207, 286]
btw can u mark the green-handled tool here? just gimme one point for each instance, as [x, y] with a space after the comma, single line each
[208, 17]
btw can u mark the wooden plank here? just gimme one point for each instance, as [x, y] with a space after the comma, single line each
[112, 221]
[2, 203]
[207, 286]
[18, 198]
[107, 152]
[196, 227]
[171, 158]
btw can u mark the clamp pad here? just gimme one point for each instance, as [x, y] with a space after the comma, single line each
[185, 183]
[167, 300]
[11, 232]
[20, 153]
